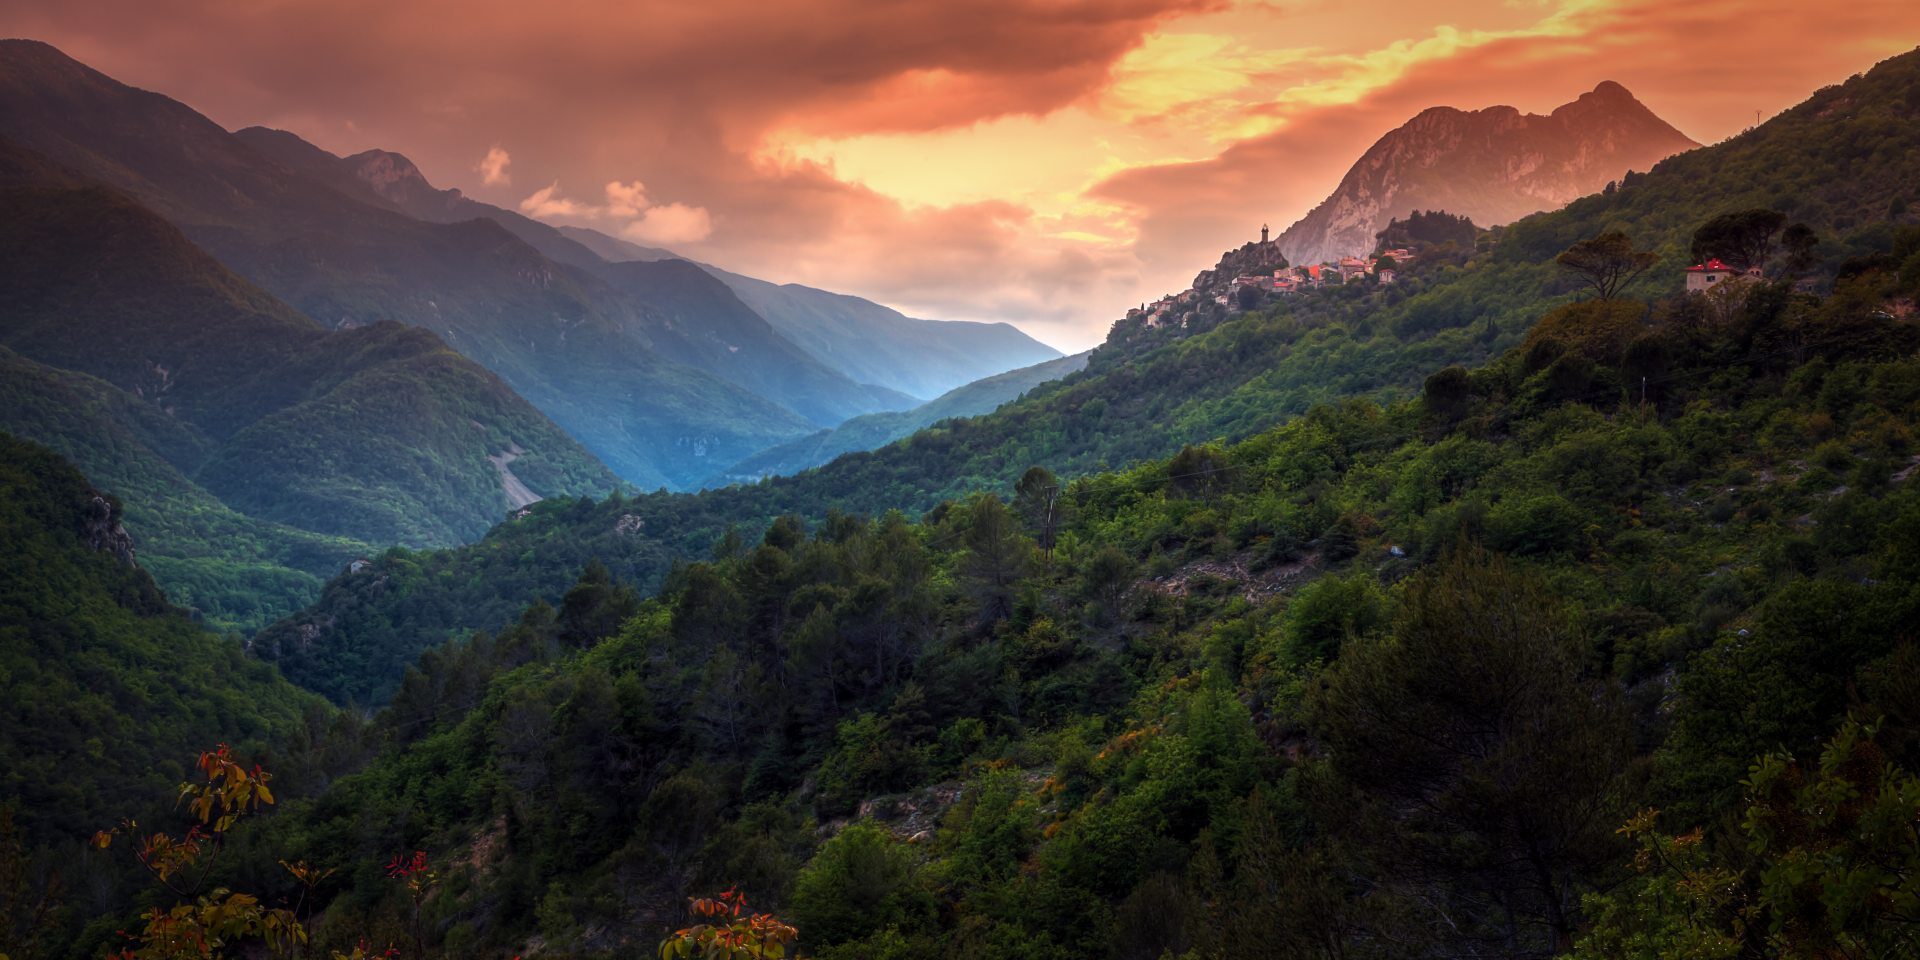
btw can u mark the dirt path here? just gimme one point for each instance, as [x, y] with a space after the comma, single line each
[518, 494]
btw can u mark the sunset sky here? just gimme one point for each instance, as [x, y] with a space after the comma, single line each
[1046, 162]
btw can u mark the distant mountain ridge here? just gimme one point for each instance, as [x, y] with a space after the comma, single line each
[556, 333]
[876, 344]
[613, 249]
[391, 180]
[905, 358]
[679, 314]
[1494, 165]
[862, 339]
[875, 430]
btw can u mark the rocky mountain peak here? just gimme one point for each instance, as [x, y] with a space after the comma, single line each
[1493, 165]
[391, 175]
[1610, 90]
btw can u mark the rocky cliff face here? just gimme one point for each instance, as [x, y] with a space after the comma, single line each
[101, 529]
[1252, 259]
[1494, 165]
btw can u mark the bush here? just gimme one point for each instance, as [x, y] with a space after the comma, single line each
[1539, 525]
[861, 882]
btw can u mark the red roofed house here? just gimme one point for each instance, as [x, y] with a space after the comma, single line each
[1703, 276]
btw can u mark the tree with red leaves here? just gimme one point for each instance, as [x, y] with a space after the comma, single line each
[730, 932]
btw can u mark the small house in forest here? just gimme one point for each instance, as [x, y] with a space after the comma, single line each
[1705, 276]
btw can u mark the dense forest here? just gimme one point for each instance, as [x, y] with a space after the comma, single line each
[1504, 669]
[1529, 608]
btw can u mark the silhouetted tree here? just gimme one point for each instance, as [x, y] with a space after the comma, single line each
[1036, 497]
[1606, 263]
[996, 554]
[1743, 238]
[1447, 392]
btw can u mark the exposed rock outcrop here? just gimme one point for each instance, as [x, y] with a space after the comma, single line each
[1251, 259]
[102, 530]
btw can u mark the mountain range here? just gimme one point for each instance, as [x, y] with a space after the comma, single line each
[1112, 709]
[864, 340]
[649, 387]
[1492, 166]
[668, 305]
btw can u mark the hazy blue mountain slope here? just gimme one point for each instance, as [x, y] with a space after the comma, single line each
[698, 321]
[862, 339]
[876, 344]
[680, 312]
[348, 262]
[258, 449]
[876, 430]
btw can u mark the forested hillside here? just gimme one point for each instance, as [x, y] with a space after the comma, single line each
[1407, 679]
[1149, 391]
[231, 569]
[106, 690]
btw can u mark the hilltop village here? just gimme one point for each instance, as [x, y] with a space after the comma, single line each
[1256, 272]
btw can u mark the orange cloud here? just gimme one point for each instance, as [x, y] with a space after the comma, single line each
[493, 167]
[673, 223]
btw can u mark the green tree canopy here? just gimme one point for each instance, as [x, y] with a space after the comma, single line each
[1606, 262]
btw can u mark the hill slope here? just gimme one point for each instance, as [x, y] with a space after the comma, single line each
[106, 691]
[230, 569]
[1264, 696]
[1493, 166]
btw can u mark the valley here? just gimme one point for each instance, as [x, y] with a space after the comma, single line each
[1516, 557]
